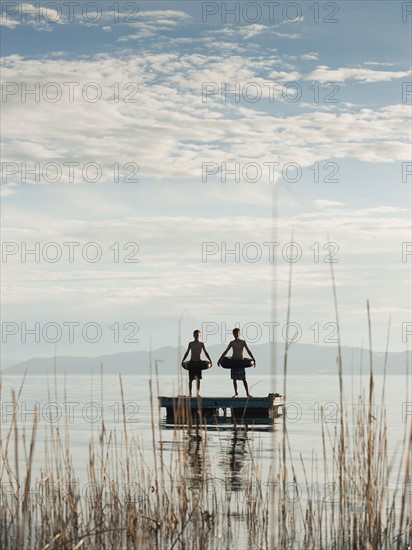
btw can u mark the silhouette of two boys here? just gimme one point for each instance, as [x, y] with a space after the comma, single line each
[196, 347]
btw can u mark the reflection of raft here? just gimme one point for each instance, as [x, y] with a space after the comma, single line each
[203, 365]
[229, 363]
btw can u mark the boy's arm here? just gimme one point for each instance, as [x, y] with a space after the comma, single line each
[224, 353]
[251, 354]
[186, 354]
[207, 355]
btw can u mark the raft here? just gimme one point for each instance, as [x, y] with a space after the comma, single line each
[182, 409]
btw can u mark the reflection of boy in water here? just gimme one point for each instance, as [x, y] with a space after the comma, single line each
[237, 455]
[195, 372]
[238, 346]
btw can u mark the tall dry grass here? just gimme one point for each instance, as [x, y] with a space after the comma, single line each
[180, 500]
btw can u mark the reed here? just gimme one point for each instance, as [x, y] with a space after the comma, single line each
[357, 497]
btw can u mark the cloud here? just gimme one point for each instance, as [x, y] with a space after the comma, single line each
[165, 15]
[40, 18]
[310, 56]
[9, 23]
[380, 63]
[8, 190]
[324, 74]
[320, 203]
[154, 22]
[172, 272]
[181, 129]
[245, 32]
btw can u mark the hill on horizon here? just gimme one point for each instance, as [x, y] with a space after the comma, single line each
[302, 359]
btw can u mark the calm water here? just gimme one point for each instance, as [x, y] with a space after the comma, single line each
[232, 456]
[79, 402]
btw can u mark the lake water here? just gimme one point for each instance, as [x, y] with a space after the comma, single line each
[78, 403]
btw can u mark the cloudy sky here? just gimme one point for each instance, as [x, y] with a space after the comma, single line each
[159, 158]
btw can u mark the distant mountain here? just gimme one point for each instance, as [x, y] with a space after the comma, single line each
[302, 359]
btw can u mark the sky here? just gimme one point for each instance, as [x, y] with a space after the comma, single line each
[168, 167]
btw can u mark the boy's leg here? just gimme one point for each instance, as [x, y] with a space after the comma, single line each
[190, 387]
[198, 385]
[235, 387]
[246, 388]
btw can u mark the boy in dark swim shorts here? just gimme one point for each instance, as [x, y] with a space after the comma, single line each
[195, 372]
[238, 346]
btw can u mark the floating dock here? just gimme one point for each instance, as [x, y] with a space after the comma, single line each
[182, 409]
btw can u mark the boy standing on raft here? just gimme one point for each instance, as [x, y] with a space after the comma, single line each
[195, 372]
[238, 346]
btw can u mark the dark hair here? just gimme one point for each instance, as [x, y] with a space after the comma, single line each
[235, 331]
[195, 331]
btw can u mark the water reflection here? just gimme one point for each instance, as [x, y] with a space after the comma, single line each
[229, 446]
[223, 424]
[234, 457]
[234, 453]
[195, 451]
